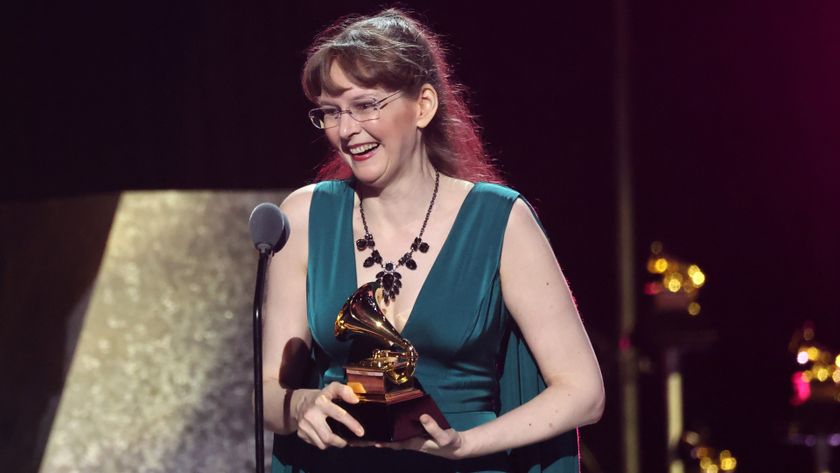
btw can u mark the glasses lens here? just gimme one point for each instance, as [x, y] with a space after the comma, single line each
[365, 111]
[316, 116]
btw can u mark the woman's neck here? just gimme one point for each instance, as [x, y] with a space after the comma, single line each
[403, 200]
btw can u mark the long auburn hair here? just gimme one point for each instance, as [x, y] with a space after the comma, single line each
[394, 51]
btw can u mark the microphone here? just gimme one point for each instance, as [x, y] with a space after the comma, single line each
[269, 232]
[269, 227]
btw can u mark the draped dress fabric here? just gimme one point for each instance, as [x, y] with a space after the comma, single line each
[473, 361]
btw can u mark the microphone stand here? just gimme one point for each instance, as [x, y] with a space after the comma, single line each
[259, 296]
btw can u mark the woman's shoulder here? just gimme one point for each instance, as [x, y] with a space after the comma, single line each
[500, 196]
[497, 190]
[489, 192]
[299, 200]
[298, 203]
[296, 206]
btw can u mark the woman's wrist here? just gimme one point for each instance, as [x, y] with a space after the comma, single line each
[296, 398]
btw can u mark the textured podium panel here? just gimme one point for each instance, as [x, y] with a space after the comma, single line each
[161, 377]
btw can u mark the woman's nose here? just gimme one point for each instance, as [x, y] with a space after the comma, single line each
[347, 125]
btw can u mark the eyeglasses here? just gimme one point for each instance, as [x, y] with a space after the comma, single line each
[328, 117]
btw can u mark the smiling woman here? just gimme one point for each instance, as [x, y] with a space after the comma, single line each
[396, 53]
[460, 269]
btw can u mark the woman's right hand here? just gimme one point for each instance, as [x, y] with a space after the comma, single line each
[313, 408]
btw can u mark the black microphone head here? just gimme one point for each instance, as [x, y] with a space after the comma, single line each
[269, 227]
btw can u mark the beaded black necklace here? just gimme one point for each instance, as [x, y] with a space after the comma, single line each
[389, 278]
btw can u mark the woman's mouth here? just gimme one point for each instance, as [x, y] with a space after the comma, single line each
[363, 151]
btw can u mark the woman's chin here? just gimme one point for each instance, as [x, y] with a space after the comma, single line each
[366, 172]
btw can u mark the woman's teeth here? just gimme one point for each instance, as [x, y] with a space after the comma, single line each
[363, 148]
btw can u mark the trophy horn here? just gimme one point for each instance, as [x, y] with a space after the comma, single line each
[361, 316]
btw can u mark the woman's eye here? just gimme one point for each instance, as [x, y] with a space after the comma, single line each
[365, 107]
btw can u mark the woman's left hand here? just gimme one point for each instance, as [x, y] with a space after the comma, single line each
[447, 443]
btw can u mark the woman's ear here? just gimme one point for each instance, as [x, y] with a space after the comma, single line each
[427, 102]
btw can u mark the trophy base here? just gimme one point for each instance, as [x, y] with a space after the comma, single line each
[390, 420]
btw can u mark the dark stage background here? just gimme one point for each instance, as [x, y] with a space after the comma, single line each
[734, 143]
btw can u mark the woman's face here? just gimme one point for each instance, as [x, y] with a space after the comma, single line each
[377, 149]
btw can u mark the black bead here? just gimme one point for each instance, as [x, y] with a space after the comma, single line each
[410, 264]
[379, 274]
[396, 290]
[414, 246]
[388, 281]
[361, 244]
[371, 243]
[376, 257]
[397, 283]
[418, 240]
[368, 262]
[389, 266]
[424, 247]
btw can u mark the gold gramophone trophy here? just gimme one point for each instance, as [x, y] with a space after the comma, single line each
[382, 376]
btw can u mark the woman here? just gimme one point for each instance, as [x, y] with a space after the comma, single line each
[467, 275]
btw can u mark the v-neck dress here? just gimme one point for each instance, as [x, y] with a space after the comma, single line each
[472, 359]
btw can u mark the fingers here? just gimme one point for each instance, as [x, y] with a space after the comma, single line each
[312, 424]
[438, 435]
[341, 415]
[438, 440]
[313, 427]
[341, 391]
[345, 393]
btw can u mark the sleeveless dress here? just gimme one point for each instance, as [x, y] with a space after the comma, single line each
[473, 361]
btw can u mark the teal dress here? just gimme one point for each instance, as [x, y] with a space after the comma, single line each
[473, 361]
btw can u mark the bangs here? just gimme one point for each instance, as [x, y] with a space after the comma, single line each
[369, 59]
[317, 78]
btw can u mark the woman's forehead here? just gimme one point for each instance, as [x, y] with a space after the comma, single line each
[345, 89]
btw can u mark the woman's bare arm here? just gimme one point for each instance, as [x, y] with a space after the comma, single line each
[287, 341]
[286, 338]
[536, 293]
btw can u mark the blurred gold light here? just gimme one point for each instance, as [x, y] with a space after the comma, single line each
[728, 464]
[696, 275]
[674, 284]
[693, 308]
[678, 277]
[822, 374]
[727, 461]
[660, 265]
[836, 376]
[807, 376]
[698, 278]
[813, 353]
[837, 361]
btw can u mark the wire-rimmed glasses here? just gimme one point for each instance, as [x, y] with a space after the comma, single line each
[328, 117]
